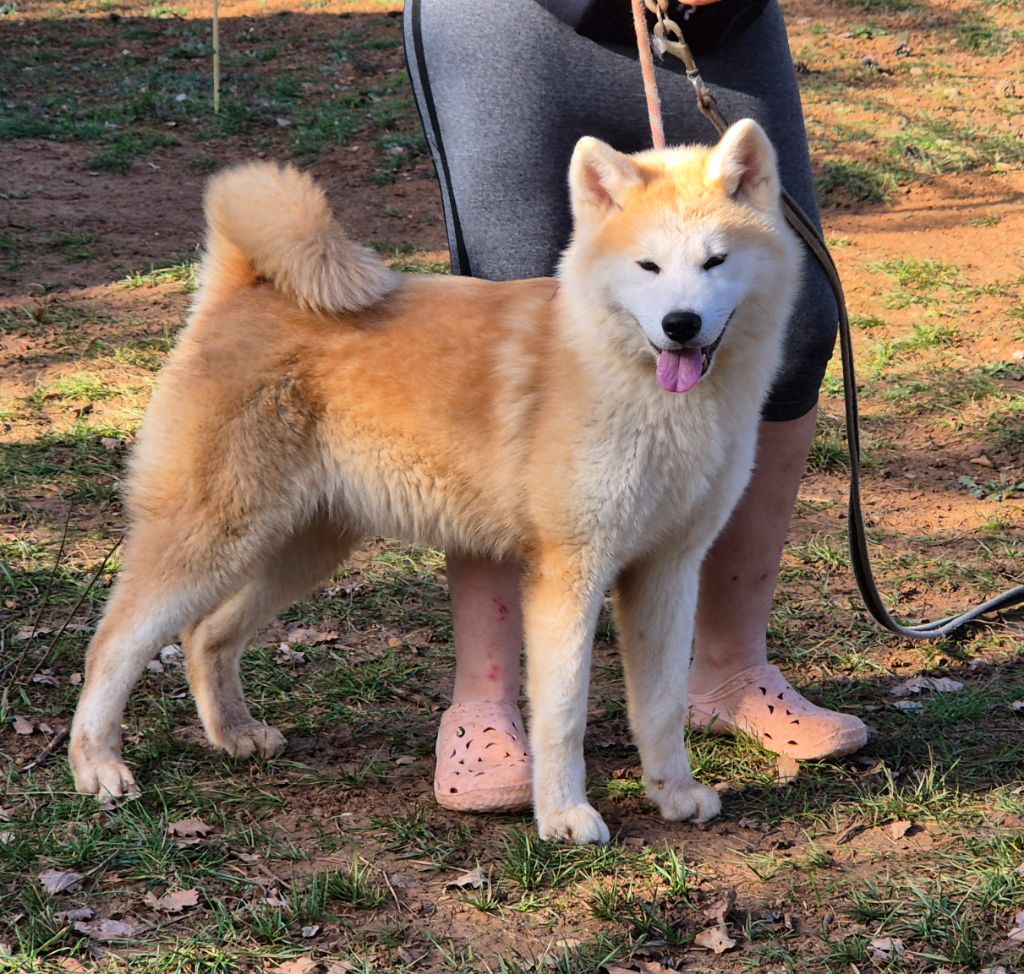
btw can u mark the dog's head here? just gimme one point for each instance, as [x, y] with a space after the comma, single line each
[673, 245]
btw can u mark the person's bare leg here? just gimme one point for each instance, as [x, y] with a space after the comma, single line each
[737, 586]
[488, 622]
[730, 679]
[483, 762]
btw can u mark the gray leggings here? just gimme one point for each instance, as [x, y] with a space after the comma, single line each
[505, 90]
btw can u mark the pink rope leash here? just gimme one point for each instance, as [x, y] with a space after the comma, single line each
[643, 46]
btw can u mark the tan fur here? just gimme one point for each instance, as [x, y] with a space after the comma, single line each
[315, 398]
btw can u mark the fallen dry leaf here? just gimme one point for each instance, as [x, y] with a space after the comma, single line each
[289, 655]
[1016, 932]
[310, 931]
[24, 726]
[715, 939]
[884, 949]
[940, 684]
[104, 930]
[71, 965]
[786, 769]
[60, 880]
[474, 879]
[70, 916]
[899, 829]
[27, 632]
[189, 828]
[299, 965]
[908, 705]
[173, 902]
[310, 637]
[654, 967]
[172, 655]
[718, 911]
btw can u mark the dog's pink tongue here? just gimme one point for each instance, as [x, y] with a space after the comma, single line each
[680, 371]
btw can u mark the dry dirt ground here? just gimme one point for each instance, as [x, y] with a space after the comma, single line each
[334, 858]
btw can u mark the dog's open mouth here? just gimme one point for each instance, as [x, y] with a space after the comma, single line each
[679, 370]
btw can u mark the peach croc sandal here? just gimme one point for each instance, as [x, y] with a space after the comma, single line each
[760, 701]
[483, 759]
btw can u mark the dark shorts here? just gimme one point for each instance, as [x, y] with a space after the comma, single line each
[506, 89]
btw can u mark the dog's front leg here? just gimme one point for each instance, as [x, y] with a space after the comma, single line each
[561, 601]
[656, 602]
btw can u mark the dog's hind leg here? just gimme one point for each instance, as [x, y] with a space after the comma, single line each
[146, 611]
[655, 601]
[561, 602]
[214, 647]
[176, 571]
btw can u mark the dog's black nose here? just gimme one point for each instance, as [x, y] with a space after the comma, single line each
[681, 326]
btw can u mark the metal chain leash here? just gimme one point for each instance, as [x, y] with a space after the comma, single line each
[668, 39]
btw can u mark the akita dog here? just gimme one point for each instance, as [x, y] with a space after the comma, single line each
[599, 426]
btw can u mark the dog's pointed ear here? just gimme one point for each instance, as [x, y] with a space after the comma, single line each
[600, 178]
[743, 165]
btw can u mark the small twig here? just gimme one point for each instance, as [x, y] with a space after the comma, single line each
[391, 889]
[53, 575]
[58, 739]
[53, 643]
[216, 57]
[45, 599]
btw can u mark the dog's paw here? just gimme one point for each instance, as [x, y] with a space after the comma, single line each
[685, 801]
[579, 824]
[105, 778]
[252, 738]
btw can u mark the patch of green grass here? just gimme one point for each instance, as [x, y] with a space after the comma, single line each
[867, 322]
[75, 246]
[535, 865]
[412, 835]
[848, 179]
[829, 449]
[10, 253]
[184, 272]
[407, 259]
[123, 151]
[86, 386]
[982, 35]
[1001, 489]
[916, 275]
[935, 146]
[884, 6]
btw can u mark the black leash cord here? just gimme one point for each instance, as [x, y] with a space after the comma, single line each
[859, 555]
[669, 39]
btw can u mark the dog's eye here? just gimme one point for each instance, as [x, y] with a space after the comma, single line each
[649, 265]
[713, 261]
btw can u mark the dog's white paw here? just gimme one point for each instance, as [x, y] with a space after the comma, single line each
[105, 778]
[251, 738]
[685, 801]
[579, 824]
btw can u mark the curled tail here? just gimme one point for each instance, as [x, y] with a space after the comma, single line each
[271, 222]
